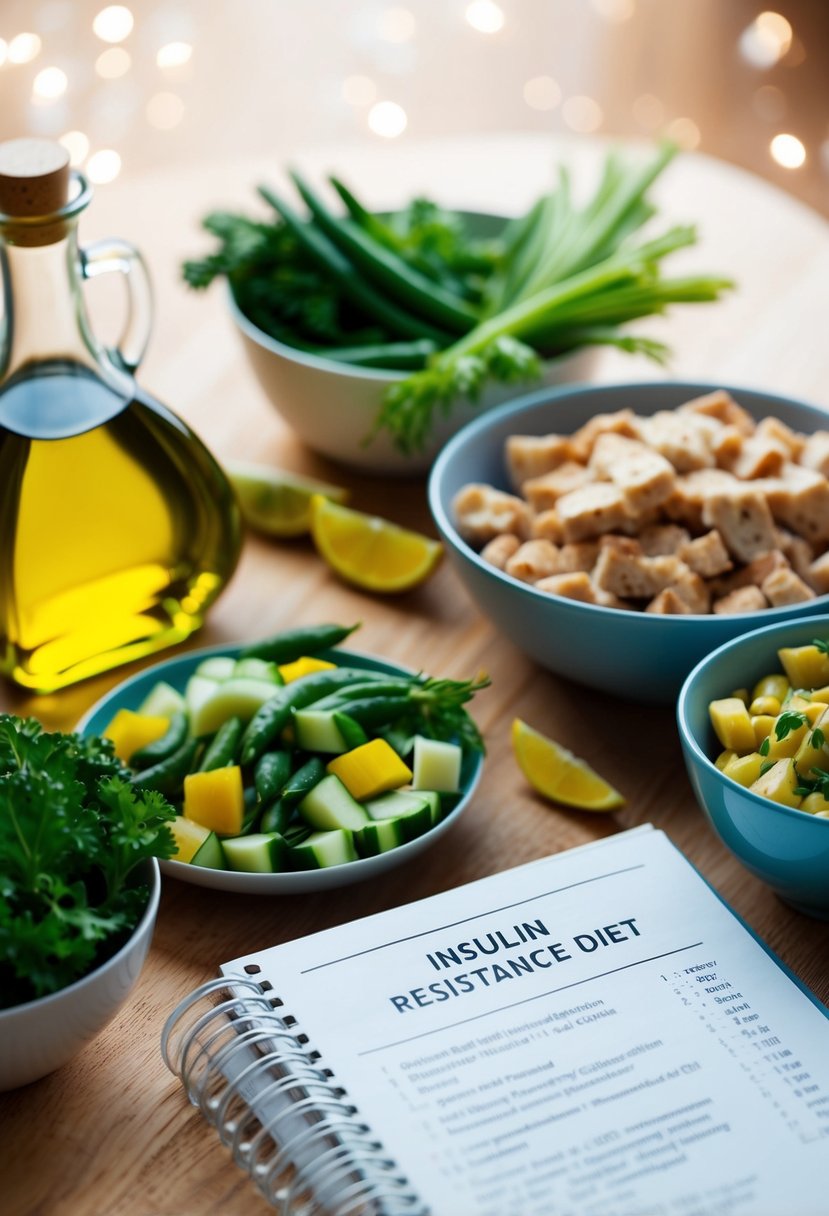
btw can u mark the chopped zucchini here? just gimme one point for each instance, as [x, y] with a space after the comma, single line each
[261, 853]
[210, 854]
[235, 698]
[258, 669]
[323, 849]
[315, 730]
[379, 836]
[162, 701]
[329, 805]
[437, 765]
[217, 669]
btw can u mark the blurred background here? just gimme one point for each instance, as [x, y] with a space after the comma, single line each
[169, 82]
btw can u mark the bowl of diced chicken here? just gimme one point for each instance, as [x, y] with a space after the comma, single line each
[618, 533]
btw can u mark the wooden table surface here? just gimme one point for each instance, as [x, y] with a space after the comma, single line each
[111, 1132]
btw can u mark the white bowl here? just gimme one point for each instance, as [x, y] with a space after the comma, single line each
[40, 1036]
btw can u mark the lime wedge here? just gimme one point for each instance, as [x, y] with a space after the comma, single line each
[276, 501]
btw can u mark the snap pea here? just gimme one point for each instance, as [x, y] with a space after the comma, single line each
[221, 751]
[292, 644]
[303, 780]
[170, 741]
[167, 776]
[276, 817]
[266, 724]
[341, 698]
[351, 730]
[378, 711]
[272, 773]
[407, 286]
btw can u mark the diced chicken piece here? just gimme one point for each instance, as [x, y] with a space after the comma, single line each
[751, 575]
[744, 599]
[693, 590]
[534, 455]
[608, 600]
[686, 440]
[726, 444]
[668, 603]
[534, 560]
[623, 422]
[759, 457]
[481, 513]
[622, 544]
[778, 432]
[645, 478]
[579, 556]
[721, 405]
[743, 520]
[610, 447]
[590, 511]
[818, 576]
[544, 492]
[798, 551]
[659, 540]
[631, 577]
[574, 586]
[799, 498]
[784, 587]
[500, 549]
[547, 526]
[706, 555]
[815, 453]
[691, 491]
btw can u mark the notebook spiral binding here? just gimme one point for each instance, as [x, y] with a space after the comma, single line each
[247, 1066]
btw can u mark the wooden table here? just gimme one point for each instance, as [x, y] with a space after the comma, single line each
[111, 1132]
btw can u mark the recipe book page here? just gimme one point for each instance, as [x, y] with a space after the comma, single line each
[591, 1034]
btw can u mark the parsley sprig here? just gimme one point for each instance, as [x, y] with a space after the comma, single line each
[72, 831]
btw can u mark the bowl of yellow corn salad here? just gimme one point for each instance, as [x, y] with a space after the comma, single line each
[753, 720]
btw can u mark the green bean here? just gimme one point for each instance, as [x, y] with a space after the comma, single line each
[351, 730]
[170, 742]
[389, 686]
[396, 356]
[272, 773]
[276, 817]
[221, 751]
[268, 721]
[378, 711]
[397, 321]
[303, 780]
[293, 644]
[167, 776]
[390, 272]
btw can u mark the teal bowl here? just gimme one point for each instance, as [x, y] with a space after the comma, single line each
[786, 848]
[638, 656]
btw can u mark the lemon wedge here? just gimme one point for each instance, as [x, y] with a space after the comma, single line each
[559, 775]
[278, 502]
[369, 551]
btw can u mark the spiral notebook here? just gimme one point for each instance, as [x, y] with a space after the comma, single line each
[593, 1033]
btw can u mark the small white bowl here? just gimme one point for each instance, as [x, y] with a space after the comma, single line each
[40, 1036]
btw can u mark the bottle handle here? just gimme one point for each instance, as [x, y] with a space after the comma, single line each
[113, 255]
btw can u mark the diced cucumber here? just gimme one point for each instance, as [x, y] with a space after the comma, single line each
[261, 853]
[437, 765]
[323, 849]
[210, 854]
[315, 730]
[258, 669]
[329, 805]
[218, 668]
[162, 701]
[396, 802]
[379, 836]
[351, 731]
[199, 689]
[435, 802]
[233, 699]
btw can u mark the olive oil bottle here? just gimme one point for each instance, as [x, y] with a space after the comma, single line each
[117, 527]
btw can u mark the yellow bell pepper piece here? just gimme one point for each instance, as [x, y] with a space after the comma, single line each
[130, 731]
[303, 666]
[806, 666]
[779, 783]
[370, 769]
[189, 836]
[745, 769]
[216, 800]
[732, 723]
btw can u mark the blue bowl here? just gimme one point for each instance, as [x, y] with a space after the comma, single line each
[787, 848]
[642, 657]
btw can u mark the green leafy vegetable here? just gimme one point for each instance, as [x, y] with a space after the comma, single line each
[72, 831]
[791, 720]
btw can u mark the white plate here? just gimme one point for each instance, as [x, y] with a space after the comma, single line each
[177, 671]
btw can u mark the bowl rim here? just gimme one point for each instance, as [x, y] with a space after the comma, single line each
[689, 739]
[145, 922]
[500, 413]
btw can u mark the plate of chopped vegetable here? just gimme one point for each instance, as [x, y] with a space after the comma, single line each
[294, 765]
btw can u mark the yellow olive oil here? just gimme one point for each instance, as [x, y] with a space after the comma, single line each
[117, 527]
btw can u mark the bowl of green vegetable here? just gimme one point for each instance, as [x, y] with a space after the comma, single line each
[294, 765]
[81, 885]
[377, 336]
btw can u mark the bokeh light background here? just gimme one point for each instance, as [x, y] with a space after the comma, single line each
[169, 82]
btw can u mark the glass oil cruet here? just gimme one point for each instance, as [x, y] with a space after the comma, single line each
[117, 527]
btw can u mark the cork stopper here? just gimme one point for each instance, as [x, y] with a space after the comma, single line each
[34, 182]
